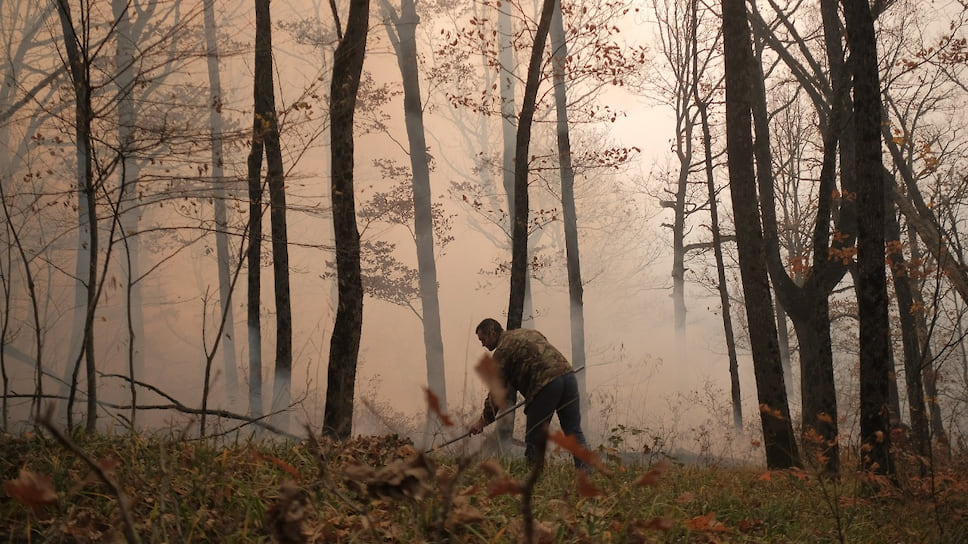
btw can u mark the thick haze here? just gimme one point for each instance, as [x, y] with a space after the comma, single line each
[638, 373]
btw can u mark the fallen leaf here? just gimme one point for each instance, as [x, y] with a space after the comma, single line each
[504, 485]
[585, 486]
[707, 523]
[464, 512]
[686, 497]
[286, 515]
[31, 489]
[658, 524]
[651, 477]
[492, 468]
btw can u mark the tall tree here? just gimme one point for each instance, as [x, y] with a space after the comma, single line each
[129, 172]
[403, 37]
[76, 45]
[275, 178]
[904, 286]
[221, 214]
[254, 254]
[519, 239]
[871, 283]
[804, 286]
[345, 342]
[676, 44]
[576, 306]
[265, 139]
[702, 104]
[779, 442]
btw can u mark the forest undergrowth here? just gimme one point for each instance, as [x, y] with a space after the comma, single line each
[169, 488]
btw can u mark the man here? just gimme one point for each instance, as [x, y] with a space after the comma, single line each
[530, 365]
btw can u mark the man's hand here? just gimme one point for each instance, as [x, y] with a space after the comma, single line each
[477, 427]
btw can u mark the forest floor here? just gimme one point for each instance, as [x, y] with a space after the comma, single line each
[154, 489]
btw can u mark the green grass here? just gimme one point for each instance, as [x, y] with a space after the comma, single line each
[201, 491]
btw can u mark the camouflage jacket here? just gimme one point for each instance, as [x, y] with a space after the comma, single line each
[528, 362]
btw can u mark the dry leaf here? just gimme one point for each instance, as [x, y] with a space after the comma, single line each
[490, 373]
[279, 463]
[504, 485]
[31, 489]
[492, 468]
[652, 476]
[585, 486]
[686, 498]
[707, 523]
[570, 444]
[413, 477]
[434, 403]
[771, 411]
[464, 512]
[285, 517]
[658, 524]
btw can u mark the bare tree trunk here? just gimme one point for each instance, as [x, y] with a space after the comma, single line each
[128, 179]
[227, 340]
[345, 343]
[871, 277]
[910, 341]
[507, 77]
[703, 106]
[806, 301]
[519, 239]
[928, 368]
[254, 260]
[265, 110]
[88, 236]
[780, 445]
[405, 45]
[559, 52]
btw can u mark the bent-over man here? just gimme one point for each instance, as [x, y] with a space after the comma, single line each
[530, 365]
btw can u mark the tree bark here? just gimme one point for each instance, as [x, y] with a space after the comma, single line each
[728, 333]
[507, 77]
[779, 442]
[910, 341]
[265, 108]
[559, 54]
[806, 301]
[345, 343]
[405, 45]
[227, 339]
[871, 285]
[519, 238]
[127, 37]
[87, 214]
[254, 261]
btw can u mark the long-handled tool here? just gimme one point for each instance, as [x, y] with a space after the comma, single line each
[500, 415]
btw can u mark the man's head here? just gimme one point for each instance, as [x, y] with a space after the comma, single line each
[489, 333]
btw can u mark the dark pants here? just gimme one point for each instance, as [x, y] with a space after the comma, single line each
[561, 396]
